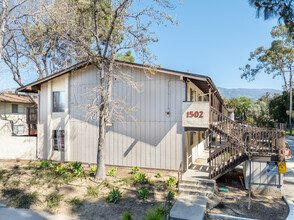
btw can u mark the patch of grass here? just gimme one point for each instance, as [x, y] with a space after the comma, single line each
[54, 199]
[143, 193]
[3, 177]
[15, 167]
[135, 170]
[76, 203]
[32, 166]
[14, 183]
[20, 199]
[129, 180]
[126, 216]
[140, 178]
[114, 196]
[92, 191]
[158, 175]
[288, 131]
[112, 171]
[155, 214]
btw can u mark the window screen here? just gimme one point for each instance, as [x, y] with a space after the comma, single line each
[14, 108]
[58, 101]
[58, 140]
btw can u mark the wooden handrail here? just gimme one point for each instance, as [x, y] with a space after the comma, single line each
[242, 143]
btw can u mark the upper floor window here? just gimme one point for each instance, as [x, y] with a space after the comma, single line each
[58, 101]
[14, 108]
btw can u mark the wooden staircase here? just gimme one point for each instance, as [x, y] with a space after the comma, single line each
[241, 144]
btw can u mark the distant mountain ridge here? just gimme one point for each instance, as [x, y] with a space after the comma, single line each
[253, 94]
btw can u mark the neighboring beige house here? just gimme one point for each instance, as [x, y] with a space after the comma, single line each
[13, 109]
[171, 124]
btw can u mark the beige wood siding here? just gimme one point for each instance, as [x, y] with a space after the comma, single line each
[154, 140]
[42, 124]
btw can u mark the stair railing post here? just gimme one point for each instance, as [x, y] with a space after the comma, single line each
[249, 202]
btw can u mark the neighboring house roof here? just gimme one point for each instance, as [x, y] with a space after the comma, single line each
[35, 86]
[14, 98]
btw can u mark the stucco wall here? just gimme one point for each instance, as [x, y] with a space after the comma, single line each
[13, 147]
[14, 118]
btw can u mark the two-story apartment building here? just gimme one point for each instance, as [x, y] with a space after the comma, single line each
[170, 127]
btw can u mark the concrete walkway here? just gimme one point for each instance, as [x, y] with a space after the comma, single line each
[27, 214]
[195, 189]
[189, 207]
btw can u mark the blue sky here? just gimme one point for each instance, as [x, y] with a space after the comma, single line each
[214, 38]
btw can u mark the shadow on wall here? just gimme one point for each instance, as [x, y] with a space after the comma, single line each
[15, 119]
[5, 127]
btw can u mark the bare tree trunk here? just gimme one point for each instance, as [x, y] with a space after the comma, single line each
[103, 118]
[2, 26]
[100, 174]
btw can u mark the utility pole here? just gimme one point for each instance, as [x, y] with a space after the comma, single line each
[290, 108]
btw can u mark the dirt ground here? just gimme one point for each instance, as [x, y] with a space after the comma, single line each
[25, 177]
[235, 203]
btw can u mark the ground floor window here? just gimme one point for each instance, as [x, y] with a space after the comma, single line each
[18, 129]
[58, 140]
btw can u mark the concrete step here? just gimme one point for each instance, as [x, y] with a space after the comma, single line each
[196, 187]
[200, 167]
[198, 182]
[208, 194]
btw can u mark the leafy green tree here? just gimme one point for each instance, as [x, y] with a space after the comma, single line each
[258, 113]
[278, 107]
[241, 106]
[127, 57]
[273, 60]
[283, 9]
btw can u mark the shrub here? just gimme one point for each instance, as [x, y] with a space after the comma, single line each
[158, 175]
[53, 199]
[135, 170]
[172, 195]
[126, 216]
[114, 196]
[143, 193]
[140, 177]
[94, 170]
[92, 191]
[59, 170]
[171, 182]
[45, 164]
[155, 214]
[112, 171]
[75, 168]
